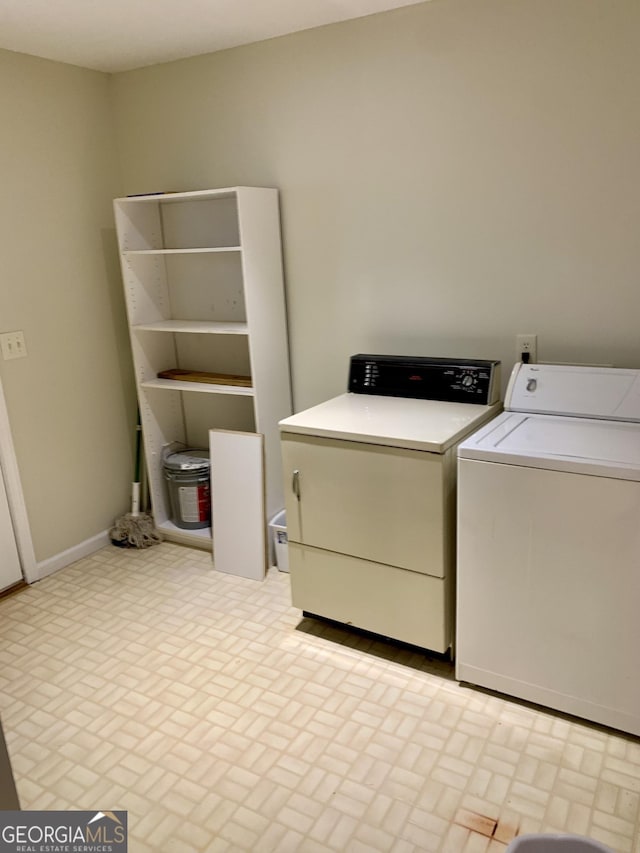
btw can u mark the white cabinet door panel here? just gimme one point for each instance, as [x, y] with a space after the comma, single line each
[237, 503]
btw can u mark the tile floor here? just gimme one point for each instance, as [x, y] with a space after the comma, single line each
[205, 706]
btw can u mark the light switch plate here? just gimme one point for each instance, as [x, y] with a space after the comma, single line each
[13, 345]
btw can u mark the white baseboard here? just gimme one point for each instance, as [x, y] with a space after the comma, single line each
[65, 558]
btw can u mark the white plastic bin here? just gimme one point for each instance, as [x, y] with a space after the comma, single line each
[555, 844]
[278, 530]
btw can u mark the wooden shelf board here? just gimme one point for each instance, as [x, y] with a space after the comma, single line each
[178, 374]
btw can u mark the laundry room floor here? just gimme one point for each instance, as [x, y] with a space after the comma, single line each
[221, 720]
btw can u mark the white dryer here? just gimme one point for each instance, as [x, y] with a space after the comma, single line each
[548, 597]
[370, 494]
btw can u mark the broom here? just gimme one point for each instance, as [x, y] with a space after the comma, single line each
[135, 529]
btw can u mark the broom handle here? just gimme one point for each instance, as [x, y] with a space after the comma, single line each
[138, 446]
[135, 486]
[135, 499]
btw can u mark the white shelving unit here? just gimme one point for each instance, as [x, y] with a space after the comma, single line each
[204, 290]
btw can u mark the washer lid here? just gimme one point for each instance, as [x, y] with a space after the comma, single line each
[580, 445]
[393, 421]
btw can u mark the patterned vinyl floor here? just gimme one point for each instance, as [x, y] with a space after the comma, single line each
[221, 720]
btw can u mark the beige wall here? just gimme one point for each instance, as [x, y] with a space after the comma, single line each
[71, 400]
[452, 173]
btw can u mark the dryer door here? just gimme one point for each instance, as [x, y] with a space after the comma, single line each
[377, 503]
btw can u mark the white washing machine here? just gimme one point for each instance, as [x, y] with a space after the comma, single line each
[548, 597]
[370, 494]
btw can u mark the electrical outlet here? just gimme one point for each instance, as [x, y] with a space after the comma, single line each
[527, 344]
[13, 345]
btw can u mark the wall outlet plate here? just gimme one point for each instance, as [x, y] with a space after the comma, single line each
[527, 345]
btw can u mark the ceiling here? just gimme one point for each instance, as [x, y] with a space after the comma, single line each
[119, 35]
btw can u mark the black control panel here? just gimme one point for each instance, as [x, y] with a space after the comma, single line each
[454, 380]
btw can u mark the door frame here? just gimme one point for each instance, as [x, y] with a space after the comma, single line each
[17, 506]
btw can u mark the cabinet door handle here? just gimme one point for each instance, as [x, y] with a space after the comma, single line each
[295, 483]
